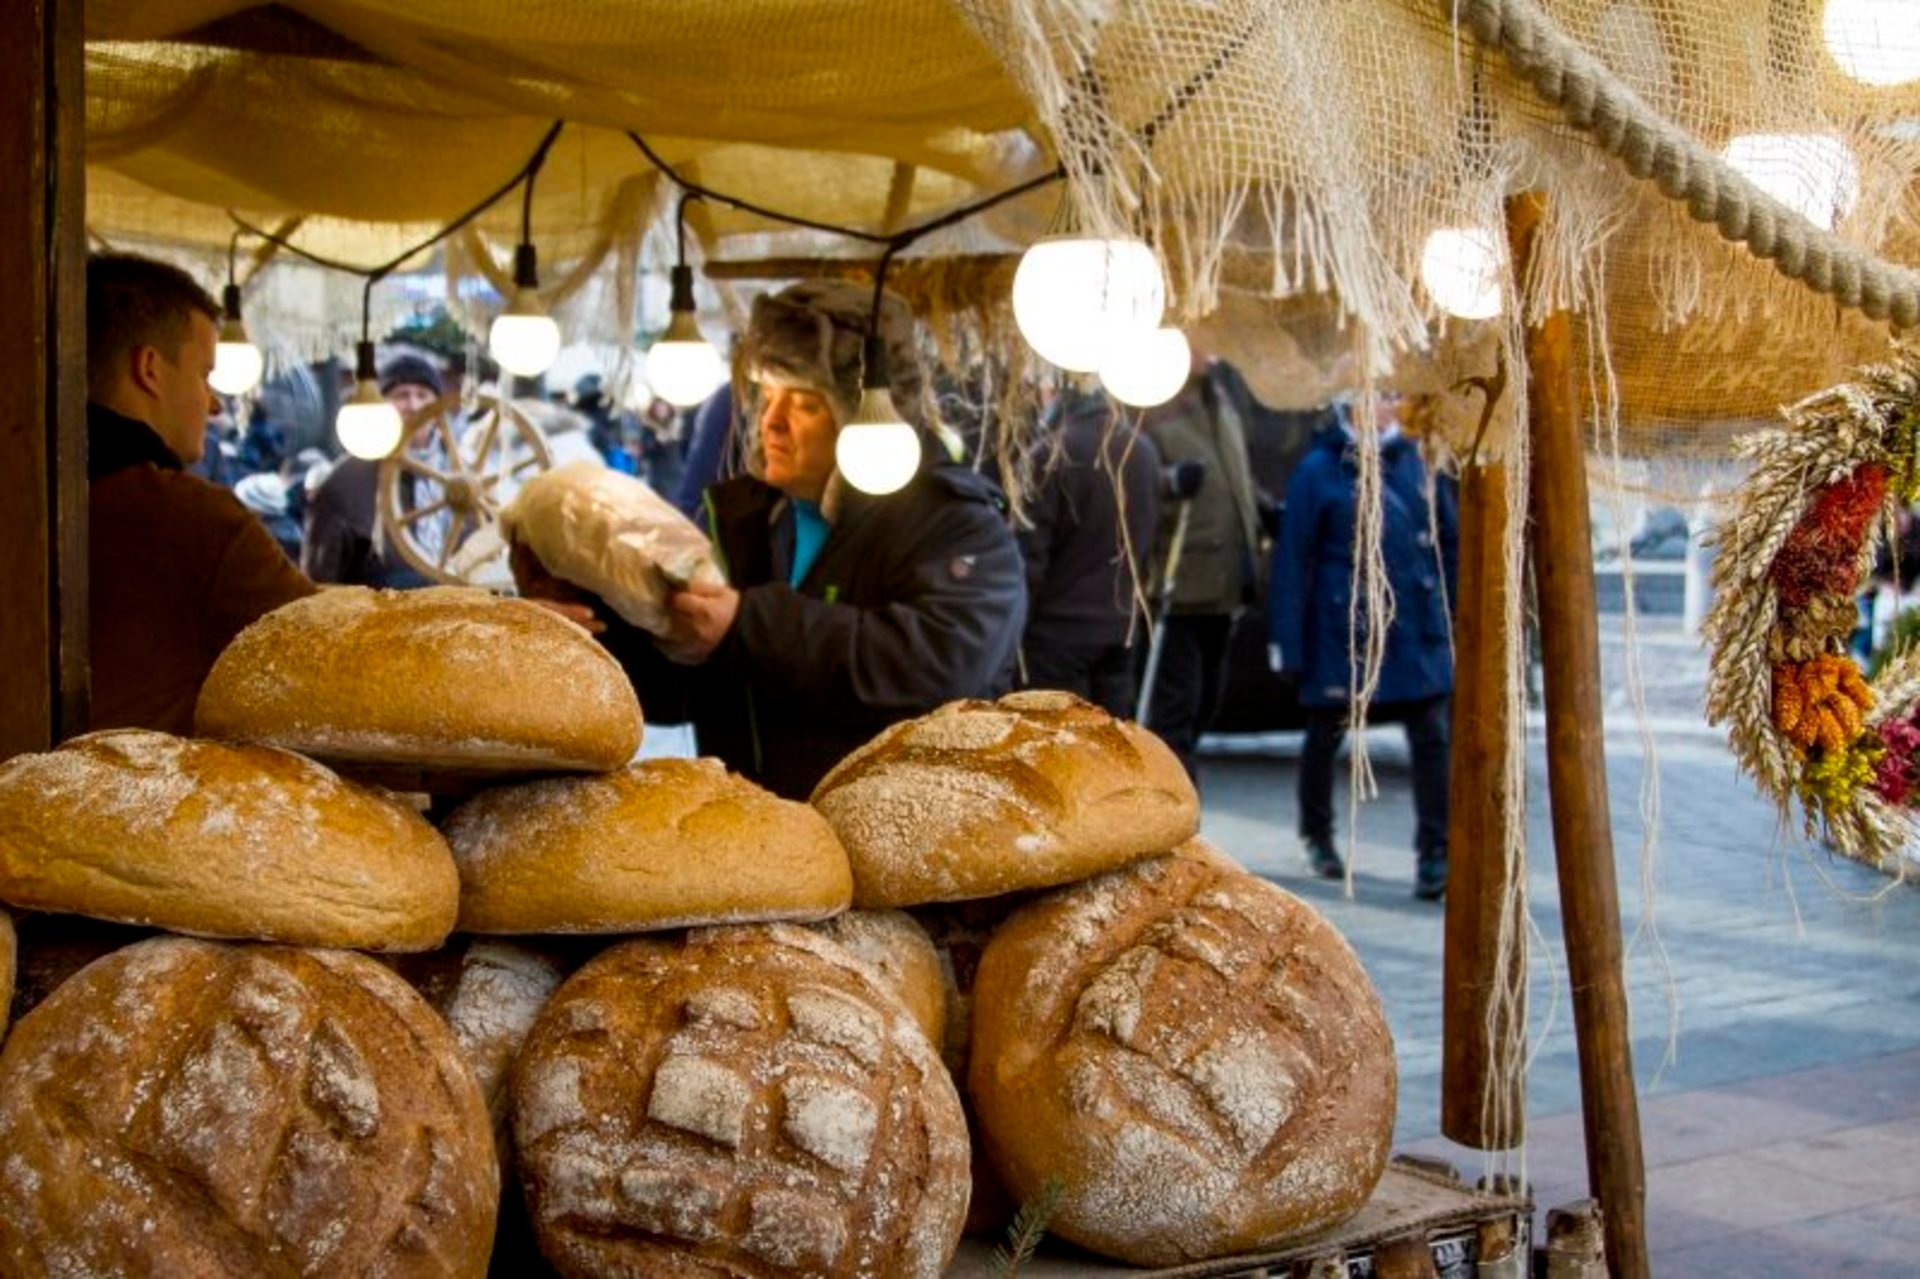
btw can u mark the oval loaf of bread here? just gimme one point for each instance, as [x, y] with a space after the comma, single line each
[442, 678]
[664, 843]
[191, 1108]
[220, 840]
[979, 798]
[748, 1101]
[1197, 1055]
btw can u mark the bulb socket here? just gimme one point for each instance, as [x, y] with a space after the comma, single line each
[230, 303]
[526, 267]
[682, 282]
[364, 368]
[877, 375]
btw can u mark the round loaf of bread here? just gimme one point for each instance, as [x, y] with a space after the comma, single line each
[983, 798]
[748, 1101]
[899, 950]
[222, 841]
[392, 685]
[664, 843]
[1194, 1052]
[189, 1108]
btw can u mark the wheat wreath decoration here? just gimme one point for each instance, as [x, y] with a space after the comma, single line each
[1801, 716]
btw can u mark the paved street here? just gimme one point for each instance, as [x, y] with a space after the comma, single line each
[1782, 1130]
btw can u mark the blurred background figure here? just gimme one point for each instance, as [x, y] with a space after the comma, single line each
[1315, 630]
[607, 427]
[342, 536]
[1092, 516]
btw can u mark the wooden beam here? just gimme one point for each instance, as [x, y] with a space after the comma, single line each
[1577, 771]
[43, 484]
[1482, 1091]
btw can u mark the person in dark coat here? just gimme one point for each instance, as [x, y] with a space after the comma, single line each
[1091, 522]
[176, 566]
[342, 516]
[844, 612]
[1310, 601]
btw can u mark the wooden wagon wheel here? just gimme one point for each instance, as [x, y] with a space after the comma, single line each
[443, 489]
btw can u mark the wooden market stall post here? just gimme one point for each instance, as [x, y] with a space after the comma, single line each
[1561, 540]
[43, 464]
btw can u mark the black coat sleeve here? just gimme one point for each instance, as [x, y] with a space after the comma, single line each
[958, 602]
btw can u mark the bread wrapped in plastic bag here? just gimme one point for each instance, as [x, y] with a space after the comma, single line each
[607, 532]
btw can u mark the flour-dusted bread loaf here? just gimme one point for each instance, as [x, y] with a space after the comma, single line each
[186, 1108]
[899, 950]
[1194, 1052]
[6, 971]
[448, 678]
[664, 843]
[982, 798]
[220, 840]
[748, 1101]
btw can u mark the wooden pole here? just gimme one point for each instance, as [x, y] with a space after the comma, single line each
[1577, 773]
[1482, 1092]
[43, 481]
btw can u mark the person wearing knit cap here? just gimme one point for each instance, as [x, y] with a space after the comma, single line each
[844, 611]
[340, 544]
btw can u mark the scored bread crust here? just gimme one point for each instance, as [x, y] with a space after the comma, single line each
[894, 944]
[190, 1108]
[665, 843]
[222, 841]
[748, 1101]
[1195, 1052]
[445, 677]
[982, 798]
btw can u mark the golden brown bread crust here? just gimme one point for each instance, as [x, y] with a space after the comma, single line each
[898, 948]
[7, 947]
[664, 843]
[1194, 1051]
[185, 1108]
[982, 798]
[748, 1101]
[446, 677]
[222, 841]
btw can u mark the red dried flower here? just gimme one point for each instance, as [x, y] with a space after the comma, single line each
[1822, 553]
[1898, 772]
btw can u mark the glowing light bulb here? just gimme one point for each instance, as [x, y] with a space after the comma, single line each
[1074, 296]
[1876, 42]
[682, 367]
[1145, 369]
[368, 426]
[237, 365]
[1813, 174]
[877, 451]
[524, 340]
[1461, 268]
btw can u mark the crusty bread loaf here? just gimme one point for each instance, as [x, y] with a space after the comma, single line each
[1196, 1053]
[899, 950]
[6, 971]
[443, 678]
[662, 844]
[983, 798]
[223, 841]
[748, 1101]
[185, 1108]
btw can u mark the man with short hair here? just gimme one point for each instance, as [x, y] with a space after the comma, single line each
[176, 566]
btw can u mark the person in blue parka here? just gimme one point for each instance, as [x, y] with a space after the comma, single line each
[1316, 635]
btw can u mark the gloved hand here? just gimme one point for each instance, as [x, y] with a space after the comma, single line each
[1184, 479]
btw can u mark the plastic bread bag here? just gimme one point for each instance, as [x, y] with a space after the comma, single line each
[608, 533]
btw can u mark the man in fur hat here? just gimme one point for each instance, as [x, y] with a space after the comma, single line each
[844, 611]
[341, 522]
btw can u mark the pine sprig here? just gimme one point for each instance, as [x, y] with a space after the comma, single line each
[1028, 1229]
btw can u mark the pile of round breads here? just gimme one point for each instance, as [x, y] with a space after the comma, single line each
[734, 1035]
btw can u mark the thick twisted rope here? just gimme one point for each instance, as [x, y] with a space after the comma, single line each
[1598, 103]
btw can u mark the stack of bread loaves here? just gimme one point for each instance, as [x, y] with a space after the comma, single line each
[748, 1078]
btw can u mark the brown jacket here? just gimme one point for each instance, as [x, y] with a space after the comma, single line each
[176, 568]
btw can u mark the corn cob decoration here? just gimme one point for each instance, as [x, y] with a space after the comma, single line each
[1820, 703]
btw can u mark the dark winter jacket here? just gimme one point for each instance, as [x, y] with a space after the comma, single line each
[176, 567]
[916, 598]
[1207, 423]
[1093, 512]
[1312, 585]
[339, 538]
